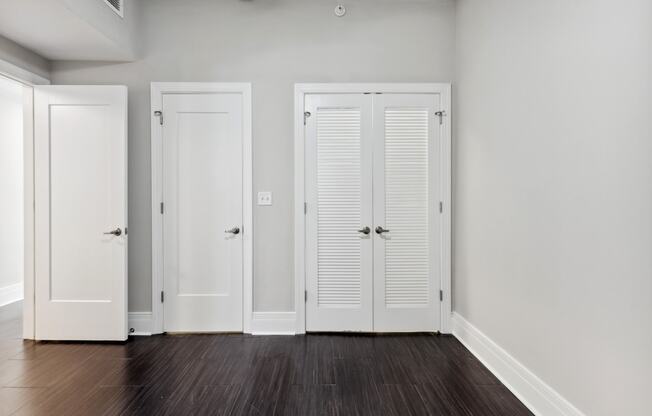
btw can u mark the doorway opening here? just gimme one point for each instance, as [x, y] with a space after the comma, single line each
[12, 222]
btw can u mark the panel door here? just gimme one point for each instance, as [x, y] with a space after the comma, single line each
[81, 212]
[338, 193]
[202, 220]
[406, 212]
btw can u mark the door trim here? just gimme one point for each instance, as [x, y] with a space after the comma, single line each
[158, 89]
[300, 91]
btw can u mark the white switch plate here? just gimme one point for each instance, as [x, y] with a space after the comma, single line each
[265, 198]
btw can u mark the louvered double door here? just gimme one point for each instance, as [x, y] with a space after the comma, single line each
[373, 223]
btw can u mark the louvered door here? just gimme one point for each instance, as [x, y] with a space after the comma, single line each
[406, 198]
[338, 192]
[372, 160]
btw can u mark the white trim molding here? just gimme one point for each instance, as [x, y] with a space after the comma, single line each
[140, 323]
[538, 396]
[10, 294]
[262, 323]
[9, 70]
[29, 277]
[300, 91]
[158, 89]
[273, 323]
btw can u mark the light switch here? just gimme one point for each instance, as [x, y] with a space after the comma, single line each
[265, 198]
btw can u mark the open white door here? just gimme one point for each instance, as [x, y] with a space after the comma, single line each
[80, 158]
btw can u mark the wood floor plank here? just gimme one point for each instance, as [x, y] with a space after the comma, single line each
[14, 398]
[311, 400]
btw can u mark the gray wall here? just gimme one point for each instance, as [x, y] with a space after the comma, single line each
[122, 32]
[272, 44]
[15, 54]
[553, 191]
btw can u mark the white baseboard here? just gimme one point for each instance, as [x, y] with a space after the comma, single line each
[273, 323]
[538, 396]
[11, 294]
[263, 323]
[140, 323]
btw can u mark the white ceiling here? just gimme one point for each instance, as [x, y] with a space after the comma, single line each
[67, 29]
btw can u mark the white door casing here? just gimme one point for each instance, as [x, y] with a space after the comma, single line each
[407, 191]
[202, 196]
[338, 193]
[80, 159]
[159, 90]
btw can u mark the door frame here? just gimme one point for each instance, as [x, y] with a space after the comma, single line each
[29, 80]
[300, 91]
[158, 89]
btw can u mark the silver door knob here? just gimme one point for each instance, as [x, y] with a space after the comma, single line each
[365, 230]
[234, 231]
[380, 230]
[117, 232]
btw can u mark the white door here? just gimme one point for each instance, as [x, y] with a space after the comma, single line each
[372, 160]
[202, 212]
[80, 158]
[407, 222]
[338, 193]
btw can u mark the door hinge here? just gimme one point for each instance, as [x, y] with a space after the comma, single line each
[441, 207]
[441, 295]
[162, 208]
[306, 114]
[162, 296]
[441, 115]
[305, 208]
[305, 296]
[159, 114]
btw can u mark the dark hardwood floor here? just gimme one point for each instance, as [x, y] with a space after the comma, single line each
[247, 375]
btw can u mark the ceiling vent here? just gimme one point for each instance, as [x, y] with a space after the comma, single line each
[117, 6]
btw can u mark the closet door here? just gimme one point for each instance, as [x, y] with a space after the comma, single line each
[339, 208]
[407, 225]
